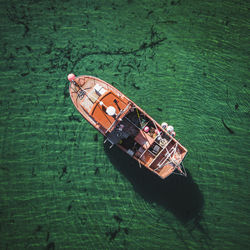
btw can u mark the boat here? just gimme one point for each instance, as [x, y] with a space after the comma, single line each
[126, 125]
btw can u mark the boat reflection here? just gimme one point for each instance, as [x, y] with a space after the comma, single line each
[177, 194]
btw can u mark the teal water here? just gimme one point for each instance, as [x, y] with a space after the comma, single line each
[184, 62]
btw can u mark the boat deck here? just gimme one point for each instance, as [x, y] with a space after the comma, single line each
[88, 100]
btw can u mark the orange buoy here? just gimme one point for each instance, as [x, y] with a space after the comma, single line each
[71, 77]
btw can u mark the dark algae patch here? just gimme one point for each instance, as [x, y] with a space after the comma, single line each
[183, 62]
[112, 234]
[97, 171]
[51, 246]
[118, 218]
[64, 171]
[74, 118]
[47, 236]
[69, 207]
[96, 137]
[225, 125]
[38, 229]
[126, 230]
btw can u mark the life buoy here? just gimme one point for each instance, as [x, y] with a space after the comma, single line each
[71, 77]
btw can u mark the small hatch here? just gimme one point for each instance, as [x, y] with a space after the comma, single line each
[99, 89]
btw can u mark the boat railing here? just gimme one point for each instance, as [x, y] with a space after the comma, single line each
[108, 87]
[142, 154]
[160, 152]
[166, 157]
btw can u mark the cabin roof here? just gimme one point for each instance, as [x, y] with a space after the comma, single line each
[98, 111]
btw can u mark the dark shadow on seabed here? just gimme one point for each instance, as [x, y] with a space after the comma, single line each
[178, 194]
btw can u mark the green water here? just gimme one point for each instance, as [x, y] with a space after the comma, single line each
[184, 62]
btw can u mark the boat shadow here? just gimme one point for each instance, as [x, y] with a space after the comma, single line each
[177, 194]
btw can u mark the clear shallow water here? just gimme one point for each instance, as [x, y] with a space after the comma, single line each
[183, 62]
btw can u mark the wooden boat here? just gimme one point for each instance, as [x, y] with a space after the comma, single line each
[126, 125]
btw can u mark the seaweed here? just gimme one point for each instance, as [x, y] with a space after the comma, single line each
[96, 137]
[82, 220]
[74, 118]
[66, 52]
[175, 2]
[28, 48]
[69, 207]
[51, 246]
[54, 27]
[225, 125]
[33, 172]
[22, 18]
[149, 13]
[118, 218]
[4, 168]
[24, 74]
[136, 87]
[38, 228]
[64, 171]
[112, 234]
[66, 92]
[47, 237]
[97, 171]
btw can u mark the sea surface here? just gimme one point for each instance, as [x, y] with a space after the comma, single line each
[185, 63]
